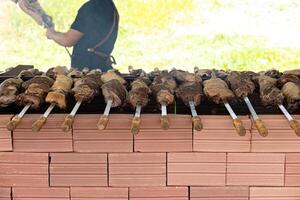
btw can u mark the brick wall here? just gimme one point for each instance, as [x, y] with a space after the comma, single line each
[177, 164]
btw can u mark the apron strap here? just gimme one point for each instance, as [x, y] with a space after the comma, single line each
[110, 59]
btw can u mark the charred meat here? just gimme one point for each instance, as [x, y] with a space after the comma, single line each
[139, 93]
[218, 91]
[241, 84]
[163, 88]
[36, 90]
[270, 95]
[86, 88]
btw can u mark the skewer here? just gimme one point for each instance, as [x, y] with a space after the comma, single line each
[237, 123]
[164, 117]
[15, 121]
[197, 124]
[41, 121]
[69, 120]
[293, 123]
[262, 129]
[136, 121]
[103, 121]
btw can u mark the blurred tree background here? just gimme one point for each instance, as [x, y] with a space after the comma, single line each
[228, 34]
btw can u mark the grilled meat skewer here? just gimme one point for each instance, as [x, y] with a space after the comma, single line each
[114, 93]
[242, 86]
[218, 91]
[272, 96]
[190, 92]
[56, 97]
[138, 98]
[85, 90]
[163, 89]
[36, 90]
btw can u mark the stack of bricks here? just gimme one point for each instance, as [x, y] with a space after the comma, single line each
[177, 164]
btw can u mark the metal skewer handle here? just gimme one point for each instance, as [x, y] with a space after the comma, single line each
[103, 121]
[164, 121]
[259, 124]
[136, 121]
[293, 123]
[69, 120]
[38, 124]
[15, 121]
[197, 123]
[237, 123]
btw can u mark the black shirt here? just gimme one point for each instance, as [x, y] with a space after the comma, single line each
[95, 20]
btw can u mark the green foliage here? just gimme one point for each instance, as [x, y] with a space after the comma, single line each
[153, 33]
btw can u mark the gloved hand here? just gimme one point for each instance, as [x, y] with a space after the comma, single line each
[34, 10]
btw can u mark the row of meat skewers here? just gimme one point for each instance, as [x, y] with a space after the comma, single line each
[54, 86]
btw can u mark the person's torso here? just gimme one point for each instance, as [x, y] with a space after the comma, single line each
[99, 23]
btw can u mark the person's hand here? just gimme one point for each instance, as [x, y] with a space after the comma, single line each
[50, 33]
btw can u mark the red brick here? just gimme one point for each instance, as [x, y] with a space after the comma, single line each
[219, 193]
[23, 170]
[5, 140]
[4, 119]
[137, 169]
[99, 193]
[116, 122]
[275, 122]
[276, 141]
[274, 193]
[41, 193]
[50, 139]
[159, 193]
[152, 138]
[5, 193]
[223, 122]
[74, 169]
[193, 169]
[255, 169]
[116, 138]
[292, 171]
[221, 141]
[5, 135]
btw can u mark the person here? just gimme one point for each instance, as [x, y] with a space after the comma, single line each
[93, 35]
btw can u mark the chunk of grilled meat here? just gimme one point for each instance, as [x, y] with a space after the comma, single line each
[9, 91]
[183, 76]
[115, 91]
[113, 74]
[36, 90]
[217, 90]
[291, 90]
[190, 91]
[86, 88]
[163, 88]
[273, 73]
[59, 91]
[270, 95]
[241, 84]
[139, 93]
[52, 72]
[295, 72]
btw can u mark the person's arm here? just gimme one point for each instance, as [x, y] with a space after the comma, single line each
[67, 39]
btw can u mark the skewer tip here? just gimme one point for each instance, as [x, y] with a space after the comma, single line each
[295, 126]
[262, 129]
[239, 127]
[68, 123]
[164, 122]
[197, 123]
[38, 124]
[135, 125]
[13, 124]
[103, 121]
